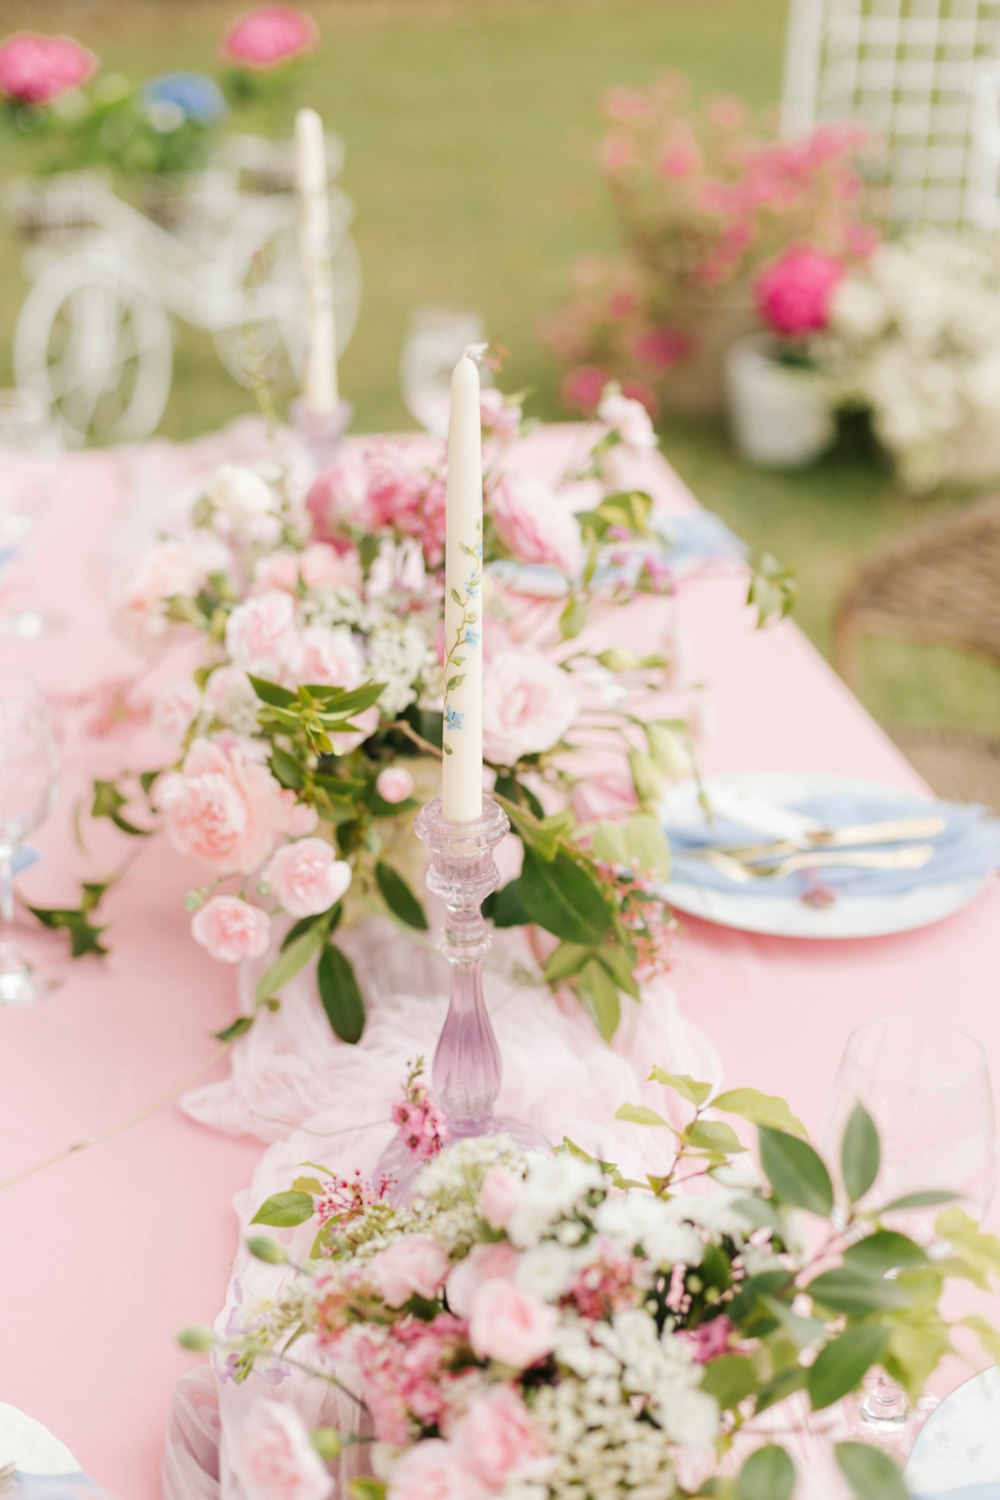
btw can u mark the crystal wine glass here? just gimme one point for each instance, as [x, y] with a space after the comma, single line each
[435, 342]
[927, 1087]
[29, 767]
[27, 429]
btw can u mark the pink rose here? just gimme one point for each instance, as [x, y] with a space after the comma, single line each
[629, 419]
[413, 1266]
[37, 69]
[500, 1194]
[432, 1470]
[278, 1461]
[231, 929]
[170, 569]
[306, 878]
[223, 808]
[482, 1264]
[261, 633]
[327, 656]
[794, 293]
[508, 1324]
[337, 496]
[269, 36]
[534, 525]
[394, 784]
[497, 1439]
[529, 707]
[174, 709]
[324, 567]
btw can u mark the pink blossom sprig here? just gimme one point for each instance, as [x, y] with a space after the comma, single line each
[644, 914]
[418, 1119]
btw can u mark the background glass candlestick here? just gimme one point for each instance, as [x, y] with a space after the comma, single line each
[467, 1069]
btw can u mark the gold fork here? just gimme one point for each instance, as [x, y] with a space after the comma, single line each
[912, 858]
[894, 832]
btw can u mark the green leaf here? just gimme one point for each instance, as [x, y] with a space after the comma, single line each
[640, 1114]
[399, 898]
[270, 693]
[288, 963]
[860, 1153]
[640, 841]
[568, 959]
[715, 1136]
[506, 908]
[235, 1029]
[796, 1172]
[341, 994]
[341, 705]
[782, 1385]
[856, 1292]
[986, 1332]
[85, 937]
[768, 1474]
[870, 1472]
[883, 1252]
[759, 1109]
[730, 1379]
[304, 924]
[682, 1083]
[600, 997]
[283, 1210]
[564, 898]
[573, 617]
[841, 1365]
[286, 769]
[366, 1489]
[646, 778]
[311, 1185]
[929, 1199]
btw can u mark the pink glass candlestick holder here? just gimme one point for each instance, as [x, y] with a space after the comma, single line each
[467, 1070]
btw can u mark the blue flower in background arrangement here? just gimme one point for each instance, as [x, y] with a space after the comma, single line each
[452, 718]
[192, 95]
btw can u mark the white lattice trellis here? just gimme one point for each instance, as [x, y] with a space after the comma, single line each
[924, 74]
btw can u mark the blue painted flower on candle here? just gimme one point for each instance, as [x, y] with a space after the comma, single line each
[453, 719]
[471, 637]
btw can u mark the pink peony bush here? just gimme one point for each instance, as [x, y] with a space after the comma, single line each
[269, 36]
[36, 69]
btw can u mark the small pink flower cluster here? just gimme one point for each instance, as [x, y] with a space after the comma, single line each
[646, 916]
[37, 69]
[347, 1198]
[403, 1375]
[419, 1122]
[607, 1285]
[269, 36]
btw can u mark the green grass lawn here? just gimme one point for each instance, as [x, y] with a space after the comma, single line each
[470, 129]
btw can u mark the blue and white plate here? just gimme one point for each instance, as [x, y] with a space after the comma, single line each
[45, 1468]
[957, 1454]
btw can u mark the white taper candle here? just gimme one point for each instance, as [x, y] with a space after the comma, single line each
[462, 771]
[319, 374]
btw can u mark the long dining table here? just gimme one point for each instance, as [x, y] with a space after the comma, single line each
[108, 1249]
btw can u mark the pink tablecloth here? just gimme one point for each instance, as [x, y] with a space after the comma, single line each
[104, 1255]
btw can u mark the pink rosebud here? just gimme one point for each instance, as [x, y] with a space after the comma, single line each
[530, 706]
[394, 784]
[231, 929]
[305, 878]
[269, 36]
[36, 69]
[510, 1325]
[277, 1460]
[498, 1439]
[433, 1470]
[535, 525]
[174, 709]
[794, 293]
[412, 1266]
[482, 1264]
[500, 1194]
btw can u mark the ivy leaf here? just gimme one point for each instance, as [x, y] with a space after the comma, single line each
[399, 898]
[759, 1109]
[860, 1153]
[85, 937]
[842, 1364]
[284, 1210]
[600, 997]
[288, 963]
[768, 1474]
[871, 1472]
[565, 899]
[341, 994]
[682, 1083]
[796, 1172]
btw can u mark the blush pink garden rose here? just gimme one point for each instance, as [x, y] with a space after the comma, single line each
[433, 1470]
[413, 1266]
[305, 878]
[534, 525]
[169, 569]
[394, 784]
[224, 808]
[497, 1439]
[260, 634]
[327, 656]
[231, 929]
[529, 707]
[510, 1325]
[337, 495]
[482, 1264]
[269, 36]
[794, 294]
[500, 1194]
[174, 709]
[277, 1460]
[36, 69]
[629, 419]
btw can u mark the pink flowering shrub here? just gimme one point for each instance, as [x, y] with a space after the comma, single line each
[36, 69]
[794, 293]
[269, 36]
[704, 199]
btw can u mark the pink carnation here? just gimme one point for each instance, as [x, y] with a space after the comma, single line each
[484, 1263]
[404, 496]
[328, 656]
[337, 495]
[498, 1439]
[534, 525]
[529, 707]
[277, 1461]
[794, 293]
[36, 69]
[394, 784]
[269, 36]
[223, 808]
[305, 878]
[231, 929]
[174, 709]
[412, 1266]
[433, 1470]
[510, 1325]
[261, 633]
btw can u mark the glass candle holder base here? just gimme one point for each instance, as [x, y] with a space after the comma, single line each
[321, 431]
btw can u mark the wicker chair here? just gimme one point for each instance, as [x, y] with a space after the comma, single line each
[936, 585]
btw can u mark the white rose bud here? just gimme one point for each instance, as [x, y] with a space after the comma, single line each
[241, 494]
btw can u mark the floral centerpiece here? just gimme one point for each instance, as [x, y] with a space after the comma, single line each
[704, 199]
[313, 722]
[539, 1327]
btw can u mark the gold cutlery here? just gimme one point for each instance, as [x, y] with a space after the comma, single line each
[914, 857]
[8, 1475]
[894, 832]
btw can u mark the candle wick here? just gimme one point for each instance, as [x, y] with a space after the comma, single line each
[477, 353]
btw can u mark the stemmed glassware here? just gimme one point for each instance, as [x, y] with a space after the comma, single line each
[927, 1087]
[27, 429]
[435, 341]
[29, 767]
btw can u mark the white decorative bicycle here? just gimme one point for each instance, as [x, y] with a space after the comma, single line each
[94, 337]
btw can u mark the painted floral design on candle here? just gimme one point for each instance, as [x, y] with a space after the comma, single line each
[467, 632]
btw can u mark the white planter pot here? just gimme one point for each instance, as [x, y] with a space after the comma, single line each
[780, 417]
